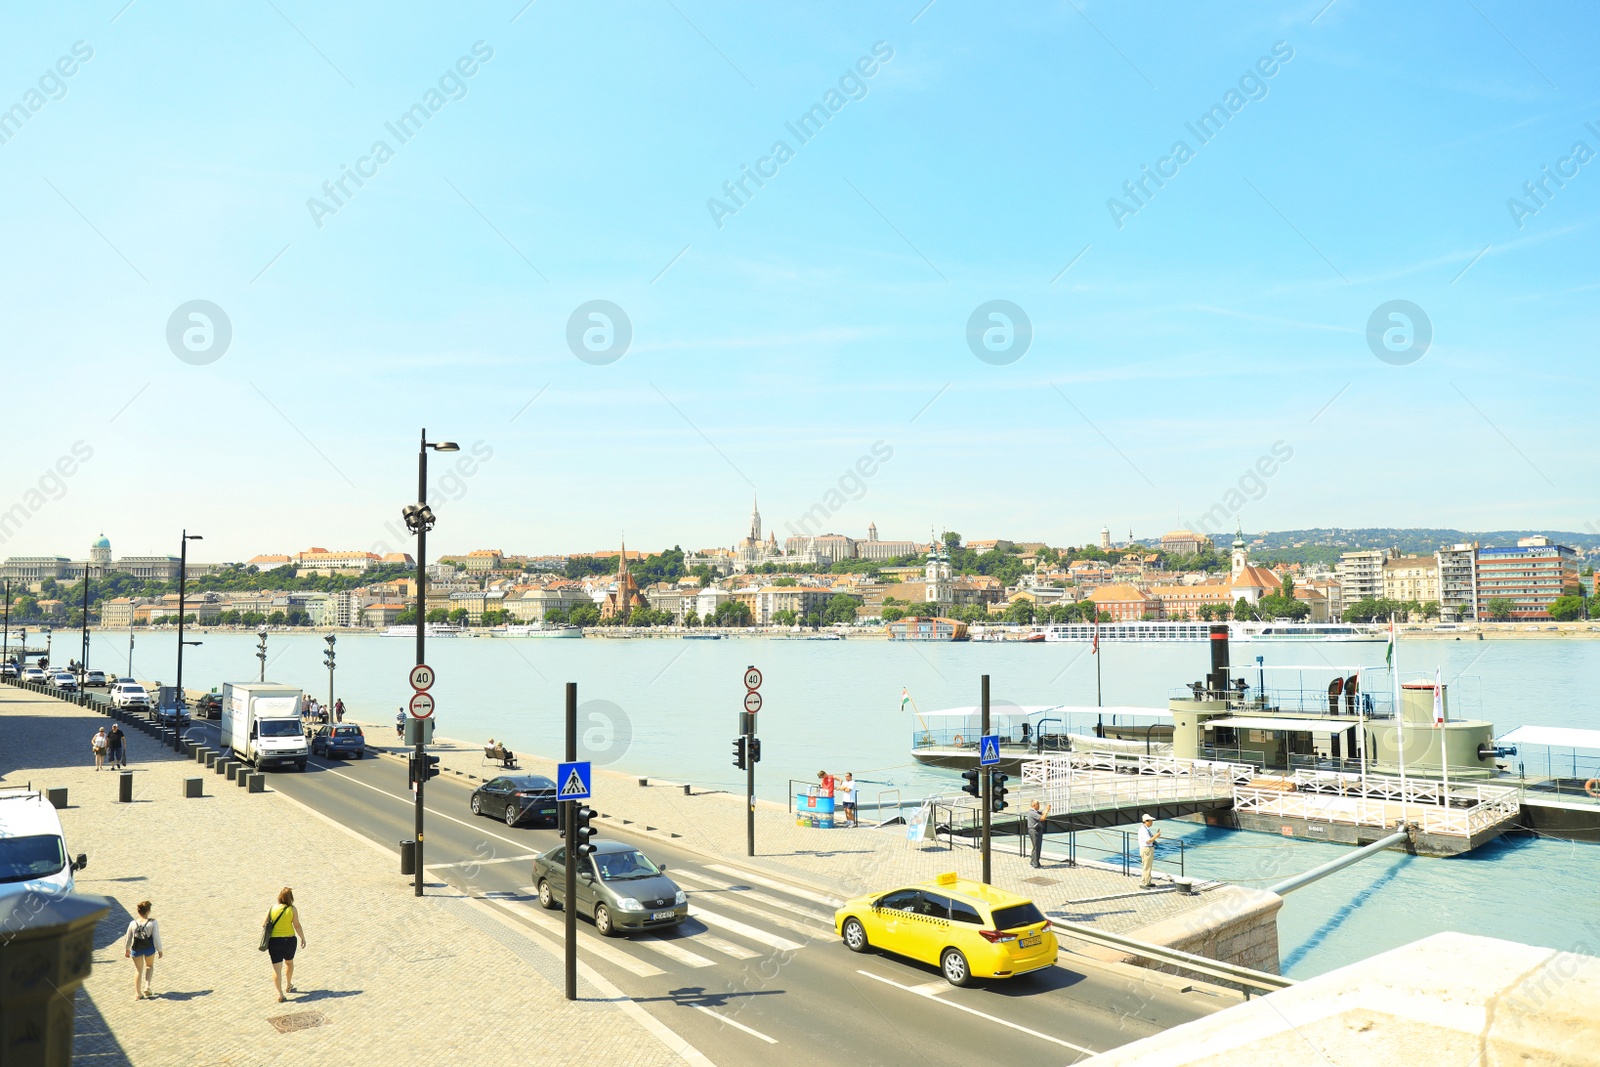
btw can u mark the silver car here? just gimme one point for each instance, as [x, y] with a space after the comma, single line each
[618, 887]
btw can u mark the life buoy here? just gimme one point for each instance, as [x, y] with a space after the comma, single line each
[960, 740]
[1592, 787]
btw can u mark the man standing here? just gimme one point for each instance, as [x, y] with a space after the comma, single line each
[846, 792]
[1147, 849]
[116, 750]
[400, 722]
[1035, 819]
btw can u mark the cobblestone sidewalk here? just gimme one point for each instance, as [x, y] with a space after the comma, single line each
[384, 978]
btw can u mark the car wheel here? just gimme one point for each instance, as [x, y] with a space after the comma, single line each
[512, 811]
[602, 921]
[477, 805]
[855, 935]
[955, 968]
[547, 899]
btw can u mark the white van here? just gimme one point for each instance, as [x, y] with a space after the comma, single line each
[33, 851]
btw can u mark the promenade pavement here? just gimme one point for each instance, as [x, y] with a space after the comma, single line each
[385, 978]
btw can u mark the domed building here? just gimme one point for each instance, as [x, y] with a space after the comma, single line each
[100, 553]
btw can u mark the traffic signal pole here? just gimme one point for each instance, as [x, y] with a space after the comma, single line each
[750, 787]
[568, 820]
[983, 801]
[422, 636]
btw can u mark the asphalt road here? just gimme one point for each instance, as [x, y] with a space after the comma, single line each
[757, 973]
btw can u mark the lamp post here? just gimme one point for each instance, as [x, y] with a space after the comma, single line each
[130, 648]
[183, 574]
[5, 642]
[261, 653]
[83, 657]
[419, 519]
[329, 661]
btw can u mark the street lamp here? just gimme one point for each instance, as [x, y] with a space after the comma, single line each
[329, 661]
[419, 520]
[183, 574]
[83, 657]
[5, 641]
[261, 653]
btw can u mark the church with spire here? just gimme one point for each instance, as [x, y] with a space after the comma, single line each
[625, 594]
[752, 551]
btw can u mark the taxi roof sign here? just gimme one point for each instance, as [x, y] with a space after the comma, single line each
[947, 878]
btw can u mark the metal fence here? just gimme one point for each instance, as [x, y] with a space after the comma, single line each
[1461, 811]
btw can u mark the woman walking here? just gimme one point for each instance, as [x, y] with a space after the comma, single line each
[99, 746]
[282, 926]
[143, 946]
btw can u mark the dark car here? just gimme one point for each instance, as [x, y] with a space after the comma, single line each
[209, 706]
[618, 887]
[519, 800]
[345, 739]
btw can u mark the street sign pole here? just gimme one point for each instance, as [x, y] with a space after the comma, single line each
[984, 800]
[570, 892]
[752, 704]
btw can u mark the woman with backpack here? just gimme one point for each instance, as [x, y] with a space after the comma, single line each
[143, 946]
[278, 940]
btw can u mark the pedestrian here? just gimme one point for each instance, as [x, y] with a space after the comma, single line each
[99, 747]
[1147, 849]
[338, 710]
[142, 945]
[281, 927]
[1035, 817]
[825, 784]
[116, 746]
[846, 791]
[400, 722]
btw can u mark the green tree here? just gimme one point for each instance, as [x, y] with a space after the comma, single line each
[841, 608]
[1567, 608]
[459, 616]
[438, 615]
[784, 581]
[1243, 610]
[1019, 612]
[952, 540]
[584, 615]
[277, 618]
[692, 619]
[1500, 608]
[555, 615]
[892, 614]
[408, 617]
[732, 613]
[784, 617]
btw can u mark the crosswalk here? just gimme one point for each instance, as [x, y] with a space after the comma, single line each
[729, 922]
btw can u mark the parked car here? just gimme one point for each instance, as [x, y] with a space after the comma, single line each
[519, 800]
[618, 887]
[209, 706]
[968, 929]
[93, 679]
[342, 739]
[33, 852]
[129, 695]
[34, 674]
[64, 681]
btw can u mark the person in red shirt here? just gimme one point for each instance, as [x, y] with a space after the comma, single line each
[826, 788]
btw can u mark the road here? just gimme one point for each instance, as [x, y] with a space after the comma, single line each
[757, 972]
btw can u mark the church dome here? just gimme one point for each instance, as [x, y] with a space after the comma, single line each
[101, 543]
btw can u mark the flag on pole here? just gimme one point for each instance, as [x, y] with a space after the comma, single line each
[1094, 649]
[1438, 699]
[905, 698]
[1388, 653]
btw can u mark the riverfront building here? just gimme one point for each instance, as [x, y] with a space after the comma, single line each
[1533, 575]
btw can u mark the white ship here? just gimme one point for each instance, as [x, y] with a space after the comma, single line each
[435, 629]
[537, 630]
[1248, 632]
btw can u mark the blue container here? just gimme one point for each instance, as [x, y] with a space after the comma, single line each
[814, 811]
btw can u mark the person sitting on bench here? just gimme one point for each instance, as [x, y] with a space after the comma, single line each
[499, 753]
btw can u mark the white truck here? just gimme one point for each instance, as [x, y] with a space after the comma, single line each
[261, 723]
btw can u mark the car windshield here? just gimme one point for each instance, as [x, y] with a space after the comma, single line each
[624, 866]
[279, 728]
[22, 858]
[1017, 916]
[347, 731]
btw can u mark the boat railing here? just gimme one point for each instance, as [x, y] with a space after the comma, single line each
[1083, 763]
[1461, 810]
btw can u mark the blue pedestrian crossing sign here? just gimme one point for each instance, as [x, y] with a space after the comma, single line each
[988, 750]
[574, 781]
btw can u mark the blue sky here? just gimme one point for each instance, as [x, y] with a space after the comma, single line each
[1225, 316]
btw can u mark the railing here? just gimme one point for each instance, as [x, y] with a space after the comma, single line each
[1082, 766]
[1325, 797]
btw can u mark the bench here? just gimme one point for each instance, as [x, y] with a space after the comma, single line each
[501, 755]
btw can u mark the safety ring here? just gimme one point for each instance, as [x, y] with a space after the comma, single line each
[960, 740]
[1592, 787]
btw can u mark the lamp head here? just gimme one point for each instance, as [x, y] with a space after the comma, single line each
[445, 446]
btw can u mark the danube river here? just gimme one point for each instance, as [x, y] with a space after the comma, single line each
[669, 707]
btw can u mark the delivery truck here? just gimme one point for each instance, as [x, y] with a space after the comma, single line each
[261, 723]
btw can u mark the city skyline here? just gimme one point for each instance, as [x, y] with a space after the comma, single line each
[1178, 336]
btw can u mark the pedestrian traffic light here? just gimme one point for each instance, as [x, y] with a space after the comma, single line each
[973, 778]
[997, 791]
[738, 753]
[755, 750]
[582, 831]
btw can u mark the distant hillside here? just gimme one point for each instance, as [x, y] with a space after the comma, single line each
[1326, 545]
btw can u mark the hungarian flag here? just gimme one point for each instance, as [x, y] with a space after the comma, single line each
[905, 698]
[1438, 699]
[1388, 653]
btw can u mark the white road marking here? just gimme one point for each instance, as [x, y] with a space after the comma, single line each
[933, 988]
[804, 929]
[826, 921]
[592, 945]
[482, 863]
[917, 991]
[773, 883]
[711, 918]
[727, 948]
[735, 1025]
[673, 951]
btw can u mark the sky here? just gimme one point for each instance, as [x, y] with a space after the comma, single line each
[1032, 270]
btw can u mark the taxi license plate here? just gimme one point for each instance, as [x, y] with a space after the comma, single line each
[1029, 942]
[659, 916]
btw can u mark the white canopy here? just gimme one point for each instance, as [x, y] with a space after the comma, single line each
[1011, 710]
[1557, 736]
[1331, 724]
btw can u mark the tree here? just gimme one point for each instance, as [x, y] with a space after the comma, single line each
[784, 617]
[892, 614]
[1242, 609]
[952, 540]
[408, 617]
[438, 615]
[296, 617]
[1500, 608]
[732, 613]
[1567, 608]
[584, 615]
[813, 620]
[784, 581]
[1019, 612]
[459, 616]
[841, 608]
[277, 618]
[692, 619]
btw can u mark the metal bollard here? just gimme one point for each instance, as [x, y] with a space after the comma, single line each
[125, 788]
[686, 790]
[408, 857]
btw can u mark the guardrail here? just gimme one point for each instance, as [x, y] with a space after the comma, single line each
[1468, 810]
[1247, 978]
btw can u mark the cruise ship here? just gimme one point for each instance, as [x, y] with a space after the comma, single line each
[1247, 632]
[435, 629]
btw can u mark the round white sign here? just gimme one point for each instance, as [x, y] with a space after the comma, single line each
[752, 678]
[422, 677]
[421, 705]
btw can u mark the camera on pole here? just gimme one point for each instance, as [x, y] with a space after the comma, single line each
[974, 780]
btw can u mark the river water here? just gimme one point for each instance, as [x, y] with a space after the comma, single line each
[669, 708]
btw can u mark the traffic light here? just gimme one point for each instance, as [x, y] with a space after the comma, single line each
[582, 830]
[974, 779]
[755, 750]
[997, 791]
[430, 766]
[738, 753]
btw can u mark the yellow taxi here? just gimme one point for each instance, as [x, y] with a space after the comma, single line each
[968, 929]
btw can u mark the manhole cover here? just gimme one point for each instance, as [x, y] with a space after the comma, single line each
[300, 1020]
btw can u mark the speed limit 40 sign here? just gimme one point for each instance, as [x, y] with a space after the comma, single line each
[752, 678]
[422, 677]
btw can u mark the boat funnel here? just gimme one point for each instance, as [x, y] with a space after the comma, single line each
[1217, 680]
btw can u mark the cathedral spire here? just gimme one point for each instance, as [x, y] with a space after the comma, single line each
[755, 521]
